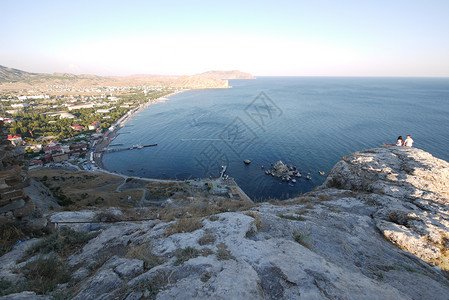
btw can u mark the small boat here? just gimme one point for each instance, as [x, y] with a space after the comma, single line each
[293, 180]
[321, 172]
[267, 172]
[247, 161]
[308, 177]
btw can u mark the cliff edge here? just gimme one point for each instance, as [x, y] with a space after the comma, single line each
[376, 229]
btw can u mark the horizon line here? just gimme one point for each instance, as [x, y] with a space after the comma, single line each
[254, 75]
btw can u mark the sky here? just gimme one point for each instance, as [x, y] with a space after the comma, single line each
[264, 38]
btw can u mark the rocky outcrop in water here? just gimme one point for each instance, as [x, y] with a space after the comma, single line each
[284, 171]
[376, 229]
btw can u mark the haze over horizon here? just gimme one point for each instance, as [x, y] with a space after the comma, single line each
[286, 38]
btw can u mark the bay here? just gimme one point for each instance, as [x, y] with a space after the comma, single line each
[309, 122]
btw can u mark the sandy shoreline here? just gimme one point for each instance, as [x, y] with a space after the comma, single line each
[109, 136]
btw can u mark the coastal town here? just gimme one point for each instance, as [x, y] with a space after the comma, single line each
[58, 130]
[68, 127]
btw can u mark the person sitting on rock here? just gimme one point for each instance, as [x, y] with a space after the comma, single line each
[408, 141]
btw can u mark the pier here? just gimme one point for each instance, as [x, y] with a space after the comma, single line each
[127, 148]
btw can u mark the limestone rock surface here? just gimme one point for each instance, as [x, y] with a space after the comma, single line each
[376, 229]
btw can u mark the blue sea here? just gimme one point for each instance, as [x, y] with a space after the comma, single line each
[307, 122]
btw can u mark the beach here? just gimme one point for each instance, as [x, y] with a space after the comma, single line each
[110, 135]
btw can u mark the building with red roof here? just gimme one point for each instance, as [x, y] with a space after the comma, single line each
[77, 127]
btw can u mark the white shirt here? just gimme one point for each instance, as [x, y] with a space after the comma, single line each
[408, 142]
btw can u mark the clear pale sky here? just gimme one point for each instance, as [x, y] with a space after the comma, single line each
[292, 38]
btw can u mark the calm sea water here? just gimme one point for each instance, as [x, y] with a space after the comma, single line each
[309, 122]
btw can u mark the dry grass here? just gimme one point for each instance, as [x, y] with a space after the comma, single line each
[223, 253]
[86, 188]
[150, 286]
[164, 190]
[292, 217]
[207, 239]
[144, 252]
[309, 206]
[64, 242]
[214, 218]
[202, 206]
[309, 199]
[324, 197]
[183, 225]
[185, 254]
[443, 261]
[256, 217]
[303, 211]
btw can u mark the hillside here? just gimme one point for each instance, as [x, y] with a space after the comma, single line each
[13, 79]
[234, 74]
[376, 229]
[14, 75]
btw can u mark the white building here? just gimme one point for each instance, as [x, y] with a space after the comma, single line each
[104, 110]
[66, 115]
[19, 105]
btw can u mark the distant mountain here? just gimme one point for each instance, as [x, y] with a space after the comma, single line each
[234, 74]
[14, 75]
[13, 79]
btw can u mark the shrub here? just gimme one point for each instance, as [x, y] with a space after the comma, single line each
[7, 287]
[223, 253]
[185, 254]
[144, 253]
[9, 235]
[302, 238]
[44, 274]
[151, 286]
[106, 216]
[63, 242]
[213, 218]
[63, 200]
[207, 239]
[206, 276]
[292, 217]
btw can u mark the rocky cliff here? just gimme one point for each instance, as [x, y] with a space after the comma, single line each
[16, 207]
[376, 229]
